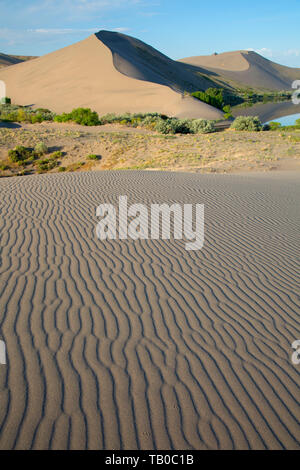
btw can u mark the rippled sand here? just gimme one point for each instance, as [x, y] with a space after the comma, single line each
[141, 344]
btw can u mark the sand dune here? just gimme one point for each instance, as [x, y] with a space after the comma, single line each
[269, 111]
[6, 60]
[143, 344]
[247, 68]
[84, 74]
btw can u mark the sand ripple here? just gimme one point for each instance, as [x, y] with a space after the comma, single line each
[143, 345]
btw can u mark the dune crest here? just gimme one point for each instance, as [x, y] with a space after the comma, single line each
[247, 68]
[84, 74]
[234, 61]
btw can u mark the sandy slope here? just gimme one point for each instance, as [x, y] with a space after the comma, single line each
[6, 60]
[247, 68]
[233, 61]
[269, 111]
[84, 75]
[143, 344]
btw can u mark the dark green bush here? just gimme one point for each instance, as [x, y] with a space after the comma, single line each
[19, 154]
[212, 96]
[47, 164]
[82, 116]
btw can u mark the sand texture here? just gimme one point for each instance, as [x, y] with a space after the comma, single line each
[141, 344]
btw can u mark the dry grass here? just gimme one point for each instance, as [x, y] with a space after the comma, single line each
[122, 148]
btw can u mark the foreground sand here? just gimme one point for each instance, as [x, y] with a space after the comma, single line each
[143, 344]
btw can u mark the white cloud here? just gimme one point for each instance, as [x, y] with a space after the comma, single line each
[77, 7]
[61, 31]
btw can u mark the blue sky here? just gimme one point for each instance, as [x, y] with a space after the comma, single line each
[177, 28]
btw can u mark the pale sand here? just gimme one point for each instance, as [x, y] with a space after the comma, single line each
[84, 74]
[247, 68]
[143, 344]
[234, 61]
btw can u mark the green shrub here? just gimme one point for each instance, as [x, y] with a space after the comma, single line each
[46, 164]
[57, 154]
[19, 154]
[82, 116]
[202, 126]
[273, 126]
[5, 100]
[93, 157]
[3, 166]
[172, 126]
[41, 148]
[64, 117]
[247, 123]
[13, 113]
[62, 168]
[227, 112]
[212, 96]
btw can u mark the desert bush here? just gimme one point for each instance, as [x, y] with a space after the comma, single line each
[202, 126]
[3, 166]
[247, 123]
[172, 126]
[47, 164]
[41, 148]
[273, 126]
[57, 154]
[64, 117]
[14, 113]
[19, 154]
[93, 157]
[82, 116]
[85, 117]
[5, 100]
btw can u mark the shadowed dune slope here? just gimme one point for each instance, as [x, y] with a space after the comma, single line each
[84, 74]
[137, 59]
[6, 60]
[247, 68]
[142, 344]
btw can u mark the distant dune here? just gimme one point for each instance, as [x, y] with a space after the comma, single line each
[6, 60]
[113, 72]
[108, 72]
[247, 68]
[142, 344]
